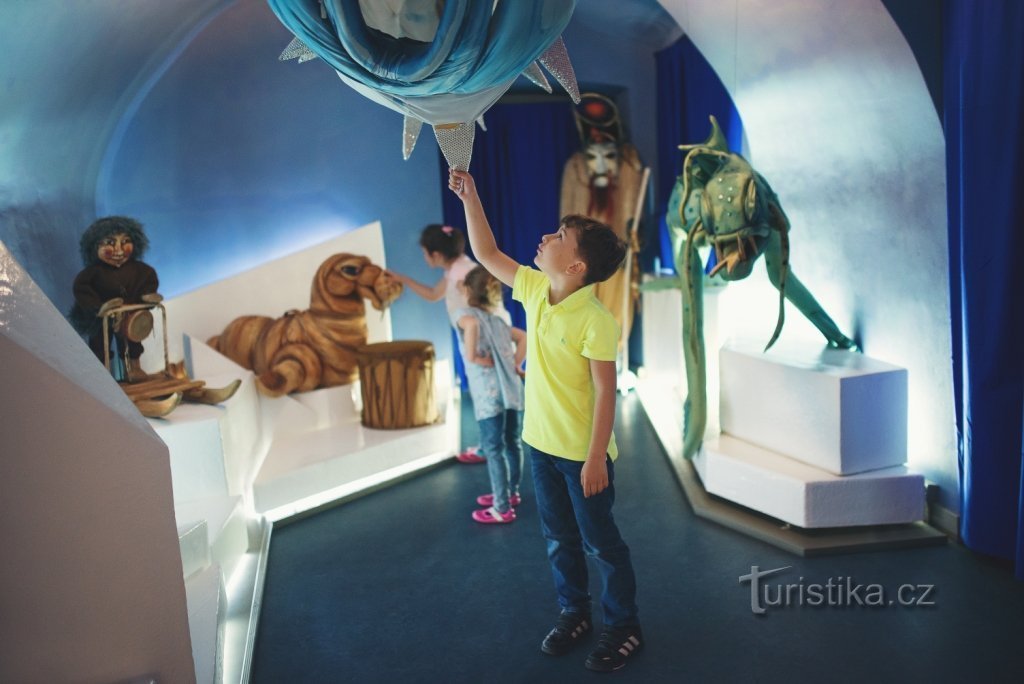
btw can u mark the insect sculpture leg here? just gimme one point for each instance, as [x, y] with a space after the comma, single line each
[695, 410]
[776, 261]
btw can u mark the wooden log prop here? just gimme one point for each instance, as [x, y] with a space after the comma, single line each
[397, 384]
[305, 350]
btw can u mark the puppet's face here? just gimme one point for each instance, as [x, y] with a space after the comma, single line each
[602, 163]
[114, 250]
[349, 273]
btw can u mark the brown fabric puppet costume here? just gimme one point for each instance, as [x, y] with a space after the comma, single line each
[111, 248]
[603, 181]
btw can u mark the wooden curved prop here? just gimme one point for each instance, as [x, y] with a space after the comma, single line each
[304, 350]
[155, 394]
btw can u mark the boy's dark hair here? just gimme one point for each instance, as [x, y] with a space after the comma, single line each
[446, 240]
[598, 247]
[107, 226]
[482, 288]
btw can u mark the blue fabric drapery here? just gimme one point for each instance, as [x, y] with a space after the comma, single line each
[518, 173]
[983, 110]
[473, 50]
[688, 92]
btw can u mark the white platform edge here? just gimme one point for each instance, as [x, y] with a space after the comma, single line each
[244, 594]
[444, 437]
[852, 408]
[241, 556]
[205, 597]
[663, 405]
[804, 495]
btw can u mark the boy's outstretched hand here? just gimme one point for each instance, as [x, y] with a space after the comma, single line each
[461, 183]
[485, 249]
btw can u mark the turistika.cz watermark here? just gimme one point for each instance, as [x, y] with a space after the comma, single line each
[836, 592]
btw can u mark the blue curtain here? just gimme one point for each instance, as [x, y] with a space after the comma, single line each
[688, 92]
[517, 165]
[983, 110]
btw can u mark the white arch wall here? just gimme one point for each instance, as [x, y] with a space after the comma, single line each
[839, 120]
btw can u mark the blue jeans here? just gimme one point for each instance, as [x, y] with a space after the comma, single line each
[500, 445]
[575, 526]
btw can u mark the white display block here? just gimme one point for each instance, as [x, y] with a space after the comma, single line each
[664, 361]
[214, 448]
[286, 415]
[205, 598]
[195, 547]
[192, 435]
[662, 330]
[226, 527]
[806, 496]
[240, 427]
[312, 464]
[331, 405]
[836, 410]
[303, 470]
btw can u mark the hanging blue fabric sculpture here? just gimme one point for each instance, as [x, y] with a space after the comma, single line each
[478, 49]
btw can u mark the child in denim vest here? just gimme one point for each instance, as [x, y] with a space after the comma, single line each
[444, 247]
[494, 353]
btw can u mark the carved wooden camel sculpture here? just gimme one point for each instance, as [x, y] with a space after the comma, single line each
[304, 350]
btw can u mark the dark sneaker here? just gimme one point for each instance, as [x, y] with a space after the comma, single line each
[615, 648]
[567, 632]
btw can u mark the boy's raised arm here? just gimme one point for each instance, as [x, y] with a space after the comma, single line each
[485, 249]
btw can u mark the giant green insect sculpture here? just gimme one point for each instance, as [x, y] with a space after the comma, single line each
[721, 201]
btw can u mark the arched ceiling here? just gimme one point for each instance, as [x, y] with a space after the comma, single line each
[69, 70]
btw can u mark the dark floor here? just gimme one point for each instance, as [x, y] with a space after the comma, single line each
[401, 586]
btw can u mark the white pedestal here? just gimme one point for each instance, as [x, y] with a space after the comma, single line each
[839, 411]
[806, 496]
[195, 547]
[662, 328]
[205, 598]
[664, 362]
[240, 419]
[305, 469]
[830, 405]
[226, 524]
[192, 435]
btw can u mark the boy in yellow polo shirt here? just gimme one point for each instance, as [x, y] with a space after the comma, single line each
[572, 341]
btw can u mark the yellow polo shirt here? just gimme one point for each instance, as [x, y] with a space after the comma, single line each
[560, 341]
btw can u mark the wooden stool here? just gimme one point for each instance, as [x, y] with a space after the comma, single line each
[397, 380]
